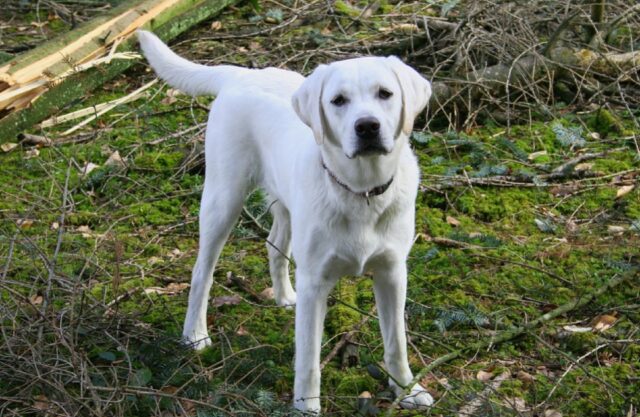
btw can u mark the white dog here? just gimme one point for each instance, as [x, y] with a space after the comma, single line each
[344, 203]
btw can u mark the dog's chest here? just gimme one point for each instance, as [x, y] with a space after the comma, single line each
[353, 243]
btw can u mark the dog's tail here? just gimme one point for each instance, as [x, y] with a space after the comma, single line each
[191, 78]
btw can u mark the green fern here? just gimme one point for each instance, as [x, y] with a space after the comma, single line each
[467, 315]
[570, 137]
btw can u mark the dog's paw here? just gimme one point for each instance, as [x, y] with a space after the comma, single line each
[309, 407]
[418, 398]
[197, 342]
[287, 300]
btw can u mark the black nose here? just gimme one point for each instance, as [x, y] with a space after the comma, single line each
[367, 128]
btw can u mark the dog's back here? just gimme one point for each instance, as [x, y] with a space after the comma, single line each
[195, 79]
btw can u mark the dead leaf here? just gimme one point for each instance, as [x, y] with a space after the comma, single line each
[543, 370]
[616, 229]
[171, 289]
[85, 231]
[407, 27]
[603, 322]
[226, 300]
[525, 377]
[484, 376]
[169, 389]
[365, 394]
[267, 294]
[453, 221]
[41, 402]
[115, 160]
[624, 190]
[24, 223]
[178, 286]
[564, 189]
[36, 299]
[534, 155]
[8, 147]
[188, 406]
[88, 167]
[242, 331]
[552, 413]
[167, 101]
[216, 26]
[516, 403]
[585, 166]
[31, 153]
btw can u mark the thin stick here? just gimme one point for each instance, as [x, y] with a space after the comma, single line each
[346, 338]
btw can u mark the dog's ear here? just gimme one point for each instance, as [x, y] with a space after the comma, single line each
[307, 102]
[416, 91]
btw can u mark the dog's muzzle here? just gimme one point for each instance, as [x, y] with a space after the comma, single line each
[369, 140]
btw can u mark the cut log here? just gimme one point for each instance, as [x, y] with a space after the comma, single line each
[40, 82]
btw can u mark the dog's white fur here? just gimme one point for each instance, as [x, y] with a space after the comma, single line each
[261, 132]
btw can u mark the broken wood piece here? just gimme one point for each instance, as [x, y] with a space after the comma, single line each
[112, 105]
[39, 83]
[34, 140]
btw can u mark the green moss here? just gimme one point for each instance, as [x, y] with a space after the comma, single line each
[604, 122]
[579, 343]
[159, 160]
[349, 382]
[343, 8]
[491, 205]
[341, 317]
[156, 213]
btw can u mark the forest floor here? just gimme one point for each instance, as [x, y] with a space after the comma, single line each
[98, 235]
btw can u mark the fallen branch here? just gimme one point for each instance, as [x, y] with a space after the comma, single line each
[346, 338]
[38, 74]
[511, 334]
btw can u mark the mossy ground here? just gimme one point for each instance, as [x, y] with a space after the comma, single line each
[524, 250]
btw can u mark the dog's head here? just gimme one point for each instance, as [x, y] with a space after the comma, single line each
[362, 105]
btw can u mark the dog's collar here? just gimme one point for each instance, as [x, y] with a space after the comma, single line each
[375, 191]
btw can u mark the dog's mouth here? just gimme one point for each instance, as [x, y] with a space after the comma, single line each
[371, 149]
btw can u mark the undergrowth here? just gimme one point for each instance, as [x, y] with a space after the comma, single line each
[96, 265]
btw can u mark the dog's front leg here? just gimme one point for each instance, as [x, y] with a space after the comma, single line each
[390, 288]
[311, 308]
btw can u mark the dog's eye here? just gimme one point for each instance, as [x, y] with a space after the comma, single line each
[384, 94]
[339, 100]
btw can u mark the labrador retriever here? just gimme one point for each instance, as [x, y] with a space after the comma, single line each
[332, 152]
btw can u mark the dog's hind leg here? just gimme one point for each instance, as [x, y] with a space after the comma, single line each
[279, 248]
[222, 199]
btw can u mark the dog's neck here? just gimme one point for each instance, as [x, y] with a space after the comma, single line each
[362, 175]
[373, 192]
